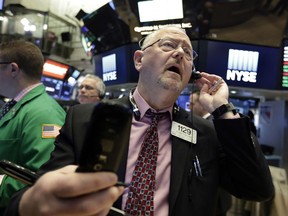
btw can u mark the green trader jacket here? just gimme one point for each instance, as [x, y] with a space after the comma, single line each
[27, 135]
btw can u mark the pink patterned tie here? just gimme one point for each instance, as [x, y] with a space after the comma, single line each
[6, 107]
[140, 199]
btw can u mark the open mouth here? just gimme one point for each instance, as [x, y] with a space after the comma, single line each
[174, 69]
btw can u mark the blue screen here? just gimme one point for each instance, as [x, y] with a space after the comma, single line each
[53, 86]
[57, 88]
[2, 4]
[242, 65]
[116, 66]
[284, 80]
[66, 91]
[183, 101]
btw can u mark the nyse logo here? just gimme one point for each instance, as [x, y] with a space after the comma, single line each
[242, 65]
[109, 67]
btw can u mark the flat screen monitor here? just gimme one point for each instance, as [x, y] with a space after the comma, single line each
[116, 66]
[2, 2]
[243, 65]
[284, 80]
[75, 74]
[52, 86]
[159, 10]
[87, 39]
[66, 91]
[72, 75]
[107, 28]
[55, 69]
[183, 101]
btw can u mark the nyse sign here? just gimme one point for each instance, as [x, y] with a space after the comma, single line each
[237, 75]
[109, 67]
[110, 76]
[242, 65]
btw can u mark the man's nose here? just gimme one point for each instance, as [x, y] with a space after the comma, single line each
[179, 52]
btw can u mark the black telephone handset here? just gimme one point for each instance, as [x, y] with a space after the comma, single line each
[107, 137]
[195, 75]
[18, 172]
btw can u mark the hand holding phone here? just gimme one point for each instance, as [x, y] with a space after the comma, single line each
[46, 193]
[106, 140]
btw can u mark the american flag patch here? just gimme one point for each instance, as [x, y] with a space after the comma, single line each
[50, 130]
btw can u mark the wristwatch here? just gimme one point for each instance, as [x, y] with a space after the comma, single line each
[217, 113]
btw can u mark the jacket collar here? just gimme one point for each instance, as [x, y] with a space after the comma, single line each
[35, 92]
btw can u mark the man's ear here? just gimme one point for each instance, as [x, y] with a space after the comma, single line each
[14, 69]
[138, 54]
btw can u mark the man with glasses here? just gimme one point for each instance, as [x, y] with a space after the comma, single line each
[28, 128]
[193, 157]
[91, 89]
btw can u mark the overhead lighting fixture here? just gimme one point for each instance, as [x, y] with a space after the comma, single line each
[45, 27]
[24, 21]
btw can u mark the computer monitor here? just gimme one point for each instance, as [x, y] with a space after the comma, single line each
[183, 101]
[240, 64]
[55, 69]
[284, 80]
[108, 29]
[66, 91]
[159, 10]
[87, 39]
[52, 86]
[116, 66]
[2, 2]
[72, 75]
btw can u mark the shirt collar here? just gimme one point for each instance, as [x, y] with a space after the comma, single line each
[25, 91]
[143, 106]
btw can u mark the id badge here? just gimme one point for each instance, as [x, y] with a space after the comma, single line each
[183, 132]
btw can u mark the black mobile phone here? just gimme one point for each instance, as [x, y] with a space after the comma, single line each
[18, 172]
[107, 137]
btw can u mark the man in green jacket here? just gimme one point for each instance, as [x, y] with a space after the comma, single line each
[28, 129]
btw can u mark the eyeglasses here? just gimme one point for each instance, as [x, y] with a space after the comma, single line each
[170, 45]
[87, 87]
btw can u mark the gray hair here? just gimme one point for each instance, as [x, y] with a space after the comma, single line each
[100, 86]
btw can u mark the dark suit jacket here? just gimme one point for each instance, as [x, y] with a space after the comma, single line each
[229, 156]
[224, 200]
